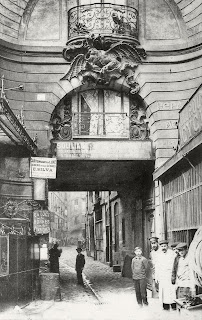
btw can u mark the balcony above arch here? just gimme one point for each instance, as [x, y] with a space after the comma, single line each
[44, 22]
[106, 19]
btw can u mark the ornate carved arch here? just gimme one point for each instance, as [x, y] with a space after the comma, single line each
[131, 123]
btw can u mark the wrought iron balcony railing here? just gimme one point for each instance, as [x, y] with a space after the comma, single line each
[103, 19]
[97, 124]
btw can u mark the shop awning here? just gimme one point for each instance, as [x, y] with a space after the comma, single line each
[11, 130]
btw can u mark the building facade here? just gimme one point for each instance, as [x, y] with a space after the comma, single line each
[19, 243]
[76, 212]
[103, 86]
[180, 177]
[57, 205]
[118, 221]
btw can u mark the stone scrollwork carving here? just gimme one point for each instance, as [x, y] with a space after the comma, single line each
[123, 25]
[10, 209]
[101, 60]
[138, 123]
[61, 122]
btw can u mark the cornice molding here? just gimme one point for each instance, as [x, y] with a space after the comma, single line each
[16, 182]
[53, 55]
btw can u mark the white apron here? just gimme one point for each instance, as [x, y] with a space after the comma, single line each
[163, 270]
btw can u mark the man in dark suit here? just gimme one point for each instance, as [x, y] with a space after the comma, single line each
[80, 262]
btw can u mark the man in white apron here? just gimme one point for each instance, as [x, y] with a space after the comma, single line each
[163, 272]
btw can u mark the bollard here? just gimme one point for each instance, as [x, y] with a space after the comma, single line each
[49, 285]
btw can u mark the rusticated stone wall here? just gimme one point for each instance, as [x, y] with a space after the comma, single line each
[15, 183]
[192, 14]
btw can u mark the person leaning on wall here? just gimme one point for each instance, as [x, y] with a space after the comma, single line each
[181, 275]
[152, 258]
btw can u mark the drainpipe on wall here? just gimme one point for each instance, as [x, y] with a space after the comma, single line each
[95, 249]
[162, 211]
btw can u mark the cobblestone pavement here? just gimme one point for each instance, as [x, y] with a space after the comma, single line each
[101, 277]
[113, 297]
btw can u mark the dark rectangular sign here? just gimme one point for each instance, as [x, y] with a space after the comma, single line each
[190, 123]
[41, 221]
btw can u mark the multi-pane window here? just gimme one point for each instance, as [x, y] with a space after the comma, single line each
[103, 113]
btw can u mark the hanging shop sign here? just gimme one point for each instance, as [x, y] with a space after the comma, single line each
[4, 255]
[41, 221]
[190, 123]
[44, 168]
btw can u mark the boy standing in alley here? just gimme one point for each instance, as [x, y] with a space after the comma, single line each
[139, 267]
[80, 262]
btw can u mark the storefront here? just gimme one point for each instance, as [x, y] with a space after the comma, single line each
[180, 178]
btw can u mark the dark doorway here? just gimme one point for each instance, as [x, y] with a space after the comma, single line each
[107, 244]
[110, 238]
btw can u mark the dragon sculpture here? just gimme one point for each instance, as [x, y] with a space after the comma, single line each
[100, 60]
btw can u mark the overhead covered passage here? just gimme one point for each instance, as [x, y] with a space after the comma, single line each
[99, 175]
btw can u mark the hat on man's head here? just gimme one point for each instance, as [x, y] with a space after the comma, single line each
[78, 249]
[181, 246]
[153, 238]
[163, 242]
[174, 245]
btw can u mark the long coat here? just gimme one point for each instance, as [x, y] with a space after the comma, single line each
[54, 255]
[80, 262]
[163, 273]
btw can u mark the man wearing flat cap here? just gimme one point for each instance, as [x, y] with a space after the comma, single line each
[181, 275]
[163, 271]
[173, 247]
[153, 256]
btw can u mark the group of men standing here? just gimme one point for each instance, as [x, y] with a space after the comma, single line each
[171, 276]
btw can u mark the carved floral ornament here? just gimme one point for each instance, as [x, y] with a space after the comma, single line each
[13, 209]
[99, 60]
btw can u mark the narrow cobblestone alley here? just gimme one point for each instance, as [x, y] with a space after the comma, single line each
[106, 295]
[100, 277]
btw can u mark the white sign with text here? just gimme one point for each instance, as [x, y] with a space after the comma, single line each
[43, 167]
[104, 150]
